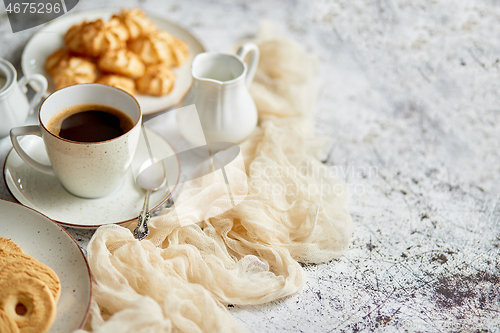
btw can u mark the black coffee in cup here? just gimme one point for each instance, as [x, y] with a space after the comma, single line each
[3, 80]
[90, 123]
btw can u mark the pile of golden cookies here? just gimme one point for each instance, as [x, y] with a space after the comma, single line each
[128, 52]
[29, 291]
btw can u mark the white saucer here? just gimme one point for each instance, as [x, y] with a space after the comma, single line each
[50, 244]
[50, 38]
[45, 193]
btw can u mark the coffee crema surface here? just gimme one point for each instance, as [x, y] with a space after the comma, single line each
[90, 123]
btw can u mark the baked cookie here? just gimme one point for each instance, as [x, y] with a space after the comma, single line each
[118, 81]
[57, 60]
[73, 38]
[7, 245]
[116, 27]
[118, 51]
[7, 324]
[21, 264]
[28, 302]
[180, 52]
[154, 48]
[136, 22]
[157, 81]
[74, 71]
[123, 62]
[96, 37]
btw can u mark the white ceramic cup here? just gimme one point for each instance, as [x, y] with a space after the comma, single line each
[14, 105]
[85, 169]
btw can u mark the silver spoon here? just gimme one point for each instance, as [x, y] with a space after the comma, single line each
[151, 179]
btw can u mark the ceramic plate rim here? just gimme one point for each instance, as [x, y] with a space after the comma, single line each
[105, 11]
[95, 226]
[87, 311]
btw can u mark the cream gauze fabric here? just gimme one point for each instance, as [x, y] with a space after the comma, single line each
[181, 278]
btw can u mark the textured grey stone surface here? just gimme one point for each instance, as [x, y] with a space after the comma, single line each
[408, 92]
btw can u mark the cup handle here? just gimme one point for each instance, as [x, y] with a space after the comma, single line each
[41, 82]
[29, 130]
[254, 59]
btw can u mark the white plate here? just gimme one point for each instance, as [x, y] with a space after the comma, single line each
[50, 38]
[45, 193]
[50, 244]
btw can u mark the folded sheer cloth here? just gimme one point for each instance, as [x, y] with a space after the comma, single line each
[181, 277]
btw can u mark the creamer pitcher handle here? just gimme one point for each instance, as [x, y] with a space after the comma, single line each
[42, 84]
[254, 59]
[29, 130]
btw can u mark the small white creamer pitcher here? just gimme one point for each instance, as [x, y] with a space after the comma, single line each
[14, 106]
[226, 110]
